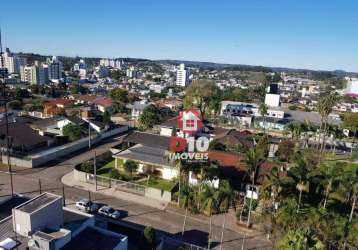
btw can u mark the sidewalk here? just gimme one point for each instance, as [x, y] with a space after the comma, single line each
[69, 180]
[217, 220]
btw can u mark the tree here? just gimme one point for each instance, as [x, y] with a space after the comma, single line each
[274, 185]
[325, 105]
[210, 199]
[285, 150]
[225, 199]
[106, 117]
[130, 167]
[148, 239]
[201, 94]
[253, 158]
[349, 184]
[262, 145]
[21, 94]
[216, 145]
[187, 202]
[300, 174]
[263, 111]
[78, 89]
[300, 240]
[329, 175]
[149, 117]
[15, 104]
[72, 131]
[119, 95]
[350, 122]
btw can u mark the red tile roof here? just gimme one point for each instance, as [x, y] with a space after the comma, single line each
[87, 98]
[104, 102]
[225, 159]
[60, 101]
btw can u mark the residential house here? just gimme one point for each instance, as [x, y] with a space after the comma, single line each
[55, 125]
[24, 138]
[104, 104]
[149, 151]
[137, 108]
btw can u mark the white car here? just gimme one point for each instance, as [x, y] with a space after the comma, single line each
[87, 206]
[109, 212]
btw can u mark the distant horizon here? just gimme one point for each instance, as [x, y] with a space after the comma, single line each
[193, 61]
[316, 35]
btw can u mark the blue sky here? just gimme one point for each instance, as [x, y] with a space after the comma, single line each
[315, 34]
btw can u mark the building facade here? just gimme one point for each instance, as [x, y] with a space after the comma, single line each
[182, 76]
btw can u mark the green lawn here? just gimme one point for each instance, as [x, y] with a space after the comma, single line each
[104, 170]
[158, 183]
[153, 181]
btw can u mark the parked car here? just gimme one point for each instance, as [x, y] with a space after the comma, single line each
[87, 206]
[109, 212]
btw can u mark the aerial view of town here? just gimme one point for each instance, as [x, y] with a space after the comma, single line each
[179, 125]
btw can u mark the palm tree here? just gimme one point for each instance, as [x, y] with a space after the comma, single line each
[349, 184]
[187, 196]
[253, 159]
[324, 106]
[336, 133]
[274, 184]
[330, 175]
[296, 129]
[355, 194]
[209, 197]
[226, 196]
[300, 174]
[263, 111]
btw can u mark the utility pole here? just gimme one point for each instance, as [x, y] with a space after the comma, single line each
[89, 135]
[95, 170]
[243, 242]
[40, 186]
[3, 75]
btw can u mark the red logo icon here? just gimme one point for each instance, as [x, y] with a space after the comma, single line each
[190, 121]
[177, 144]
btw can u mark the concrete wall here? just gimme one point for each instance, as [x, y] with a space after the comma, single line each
[50, 216]
[21, 222]
[158, 194]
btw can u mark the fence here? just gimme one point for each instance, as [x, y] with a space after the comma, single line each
[117, 184]
[125, 186]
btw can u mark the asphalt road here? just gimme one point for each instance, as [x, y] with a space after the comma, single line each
[136, 215]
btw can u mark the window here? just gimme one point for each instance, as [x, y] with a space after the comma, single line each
[190, 123]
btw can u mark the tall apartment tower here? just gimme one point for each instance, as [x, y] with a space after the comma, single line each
[182, 76]
[12, 61]
[35, 74]
[55, 69]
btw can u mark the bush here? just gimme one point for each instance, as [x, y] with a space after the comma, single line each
[72, 131]
[130, 167]
[15, 104]
[87, 167]
[147, 241]
[114, 174]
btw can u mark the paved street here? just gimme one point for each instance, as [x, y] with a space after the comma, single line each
[168, 220]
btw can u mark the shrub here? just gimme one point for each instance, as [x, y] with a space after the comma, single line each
[87, 167]
[147, 241]
[114, 174]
